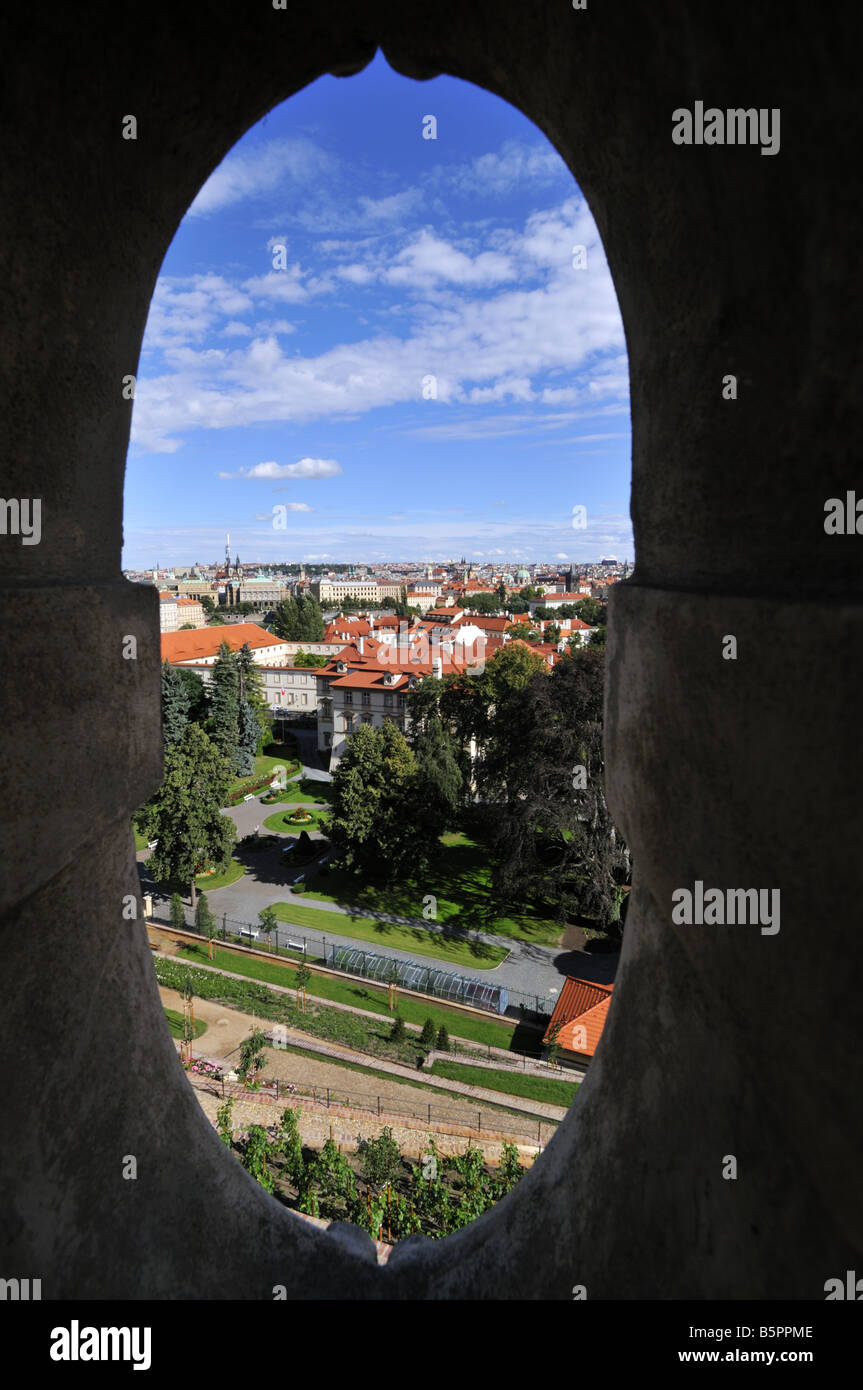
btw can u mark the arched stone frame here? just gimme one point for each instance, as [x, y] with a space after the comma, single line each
[723, 261]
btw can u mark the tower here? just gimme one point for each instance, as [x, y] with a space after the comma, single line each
[227, 553]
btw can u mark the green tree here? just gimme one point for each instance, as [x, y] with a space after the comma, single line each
[196, 692]
[597, 638]
[500, 593]
[208, 605]
[205, 922]
[311, 619]
[257, 1155]
[439, 782]
[248, 738]
[552, 1049]
[224, 704]
[290, 1145]
[252, 691]
[185, 815]
[589, 610]
[224, 1123]
[269, 922]
[285, 619]
[381, 1159]
[175, 705]
[303, 975]
[310, 659]
[178, 914]
[216, 621]
[549, 831]
[428, 1035]
[553, 634]
[252, 1057]
[442, 1043]
[398, 1033]
[370, 789]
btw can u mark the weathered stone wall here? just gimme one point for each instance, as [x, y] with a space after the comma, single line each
[719, 1041]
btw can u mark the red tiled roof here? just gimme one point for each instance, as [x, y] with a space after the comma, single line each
[582, 1006]
[489, 624]
[205, 641]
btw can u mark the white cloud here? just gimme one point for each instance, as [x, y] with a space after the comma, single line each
[251, 173]
[394, 207]
[285, 286]
[556, 342]
[429, 259]
[304, 468]
[502, 171]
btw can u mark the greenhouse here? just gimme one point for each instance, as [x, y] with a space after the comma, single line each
[428, 979]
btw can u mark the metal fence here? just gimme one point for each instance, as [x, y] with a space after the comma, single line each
[533, 1129]
[293, 941]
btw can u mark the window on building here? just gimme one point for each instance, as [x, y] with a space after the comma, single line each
[367, 699]
[349, 697]
[403, 699]
[388, 699]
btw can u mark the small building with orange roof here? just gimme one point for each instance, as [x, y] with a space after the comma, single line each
[578, 1020]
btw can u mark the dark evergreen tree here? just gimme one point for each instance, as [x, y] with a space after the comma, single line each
[199, 705]
[439, 780]
[248, 737]
[551, 834]
[185, 815]
[428, 1036]
[175, 705]
[252, 692]
[285, 620]
[310, 619]
[224, 704]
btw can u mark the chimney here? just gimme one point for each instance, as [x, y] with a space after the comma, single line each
[360, 645]
[437, 668]
[371, 623]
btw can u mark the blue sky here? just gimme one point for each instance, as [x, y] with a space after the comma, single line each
[421, 373]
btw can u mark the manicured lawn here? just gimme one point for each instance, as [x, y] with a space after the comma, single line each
[514, 1083]
[175, 1024]
[460, 882]
[305, 790]
[390, 935]
[280, 821]
[141, 841]
[369, 997]
[207, 883]
[230, 875]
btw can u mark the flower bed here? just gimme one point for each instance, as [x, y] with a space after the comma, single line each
[253, 785]
[300, 817]
[208, 1069]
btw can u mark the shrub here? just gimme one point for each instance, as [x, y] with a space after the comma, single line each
[399, 1033]
[442, 1040]
[428, 1035]
[178, 914]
